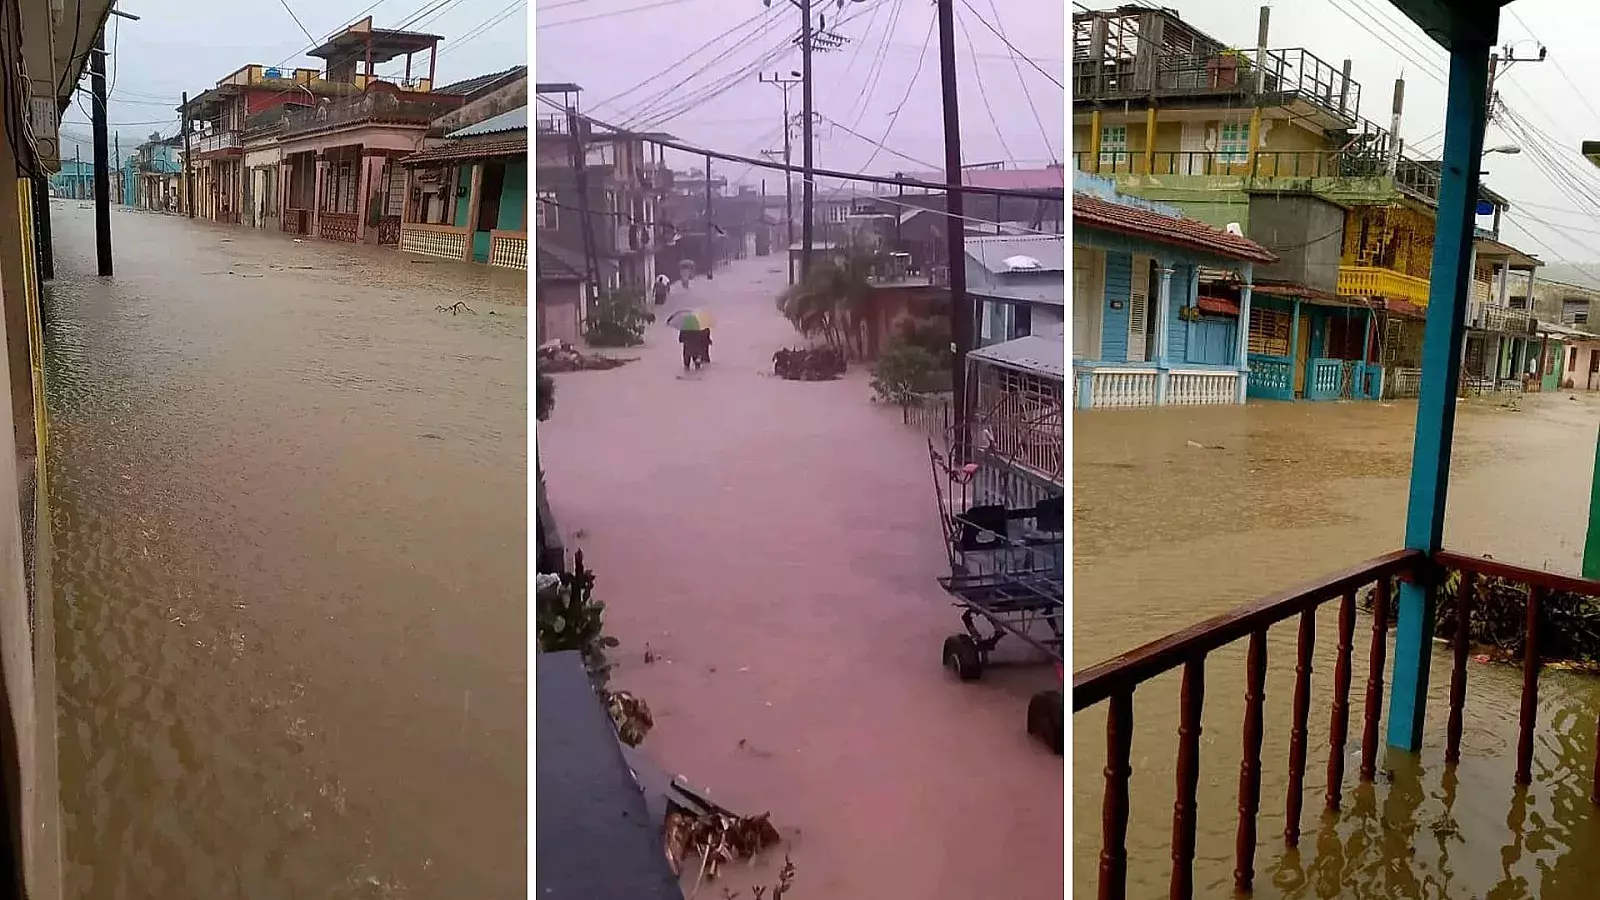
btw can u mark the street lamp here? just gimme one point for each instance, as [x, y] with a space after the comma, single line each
[1508, 149]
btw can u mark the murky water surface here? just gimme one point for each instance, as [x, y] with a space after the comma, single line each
[774, 545]
[1168, 534]
[289, 503]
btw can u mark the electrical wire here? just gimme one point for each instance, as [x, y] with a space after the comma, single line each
[906, 98]
[1044, 135]
[691, 54]
[928, 165]
[659, 117]
[983, 93]
[1365, 26]
[608, 15]
[1008, 43]
[863, 100]
[638, 110]
[483, 27]
[290, 10]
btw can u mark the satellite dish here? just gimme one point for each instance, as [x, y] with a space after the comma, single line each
[1234, 229]
[1021, 263]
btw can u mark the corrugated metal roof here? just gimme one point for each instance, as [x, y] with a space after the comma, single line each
[470, 86]
[992, 252]
[510, 120]
[1044, 353]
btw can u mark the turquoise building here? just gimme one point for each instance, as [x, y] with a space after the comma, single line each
[468, 196]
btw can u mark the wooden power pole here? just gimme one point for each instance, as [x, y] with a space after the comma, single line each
[102, 169]
[188, 173]
[580, 172]
[961, 311]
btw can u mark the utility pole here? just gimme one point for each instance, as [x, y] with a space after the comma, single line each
[808, 187]
[591, 262]
[188, 173]
[102, 173]
[77, 171]
[788, 177]
[116, 143]
[961, 312]
[711, 257]
[1509, 59]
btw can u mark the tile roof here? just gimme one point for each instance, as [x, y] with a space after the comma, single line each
[456, 151]
[470, 86]
[1093, 212]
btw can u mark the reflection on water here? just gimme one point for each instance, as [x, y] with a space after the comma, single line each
[290, 569]
[1168, 533]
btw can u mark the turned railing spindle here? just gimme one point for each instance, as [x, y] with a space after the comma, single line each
[1339, 722]
[1530, 688]
[1458, 671]
[1297, 734]
[1183, 809]
[1374, 710]
[1114, 808]
[1244, 872]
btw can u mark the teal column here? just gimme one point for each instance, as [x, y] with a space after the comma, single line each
[1465, 115]
[1591, 541]
[1294, 347]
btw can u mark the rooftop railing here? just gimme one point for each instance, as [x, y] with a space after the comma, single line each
[1292, 73]
[375, 108]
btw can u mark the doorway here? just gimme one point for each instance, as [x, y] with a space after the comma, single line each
[494, 179]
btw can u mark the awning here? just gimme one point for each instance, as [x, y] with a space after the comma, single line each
[449, 153]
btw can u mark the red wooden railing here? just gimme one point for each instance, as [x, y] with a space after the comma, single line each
[1114, 681]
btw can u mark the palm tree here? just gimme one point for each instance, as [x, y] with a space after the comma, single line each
[834, 298]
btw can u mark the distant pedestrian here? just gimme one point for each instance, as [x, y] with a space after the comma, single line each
[663, 288]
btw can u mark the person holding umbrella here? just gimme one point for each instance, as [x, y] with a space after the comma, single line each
[694, 333]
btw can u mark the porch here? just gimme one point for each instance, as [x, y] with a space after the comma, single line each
[1305, 345]
[467, 199]
[1156, 304]
[1413, 593]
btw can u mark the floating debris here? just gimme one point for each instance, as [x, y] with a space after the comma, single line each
[631, 715]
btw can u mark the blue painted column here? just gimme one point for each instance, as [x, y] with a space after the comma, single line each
[1449, 282]
[1245, 291]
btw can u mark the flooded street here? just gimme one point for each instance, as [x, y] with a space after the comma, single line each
[289, 505]
[774, 546]
[1168, 534]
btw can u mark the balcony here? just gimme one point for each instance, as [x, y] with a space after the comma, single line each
[1372, 281]
[215, 142]
[1458, 584]
[1418, 180]
[381, 108]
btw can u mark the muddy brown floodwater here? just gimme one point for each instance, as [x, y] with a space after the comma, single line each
[289, 502]
[1167, 534]
[774, 544]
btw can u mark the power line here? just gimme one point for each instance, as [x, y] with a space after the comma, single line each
[1019, 53]
[641, 110]
[895, 116]
[983, 94]
[614, 13]
[930, 166]
[680, 146]
[1023, 83]
[483, 28]
[1426, 70]
[692, 53]
[303, 30]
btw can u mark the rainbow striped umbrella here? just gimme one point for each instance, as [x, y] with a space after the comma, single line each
[690, 320]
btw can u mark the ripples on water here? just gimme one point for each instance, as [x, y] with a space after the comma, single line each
[290, 531]
[1167, 534]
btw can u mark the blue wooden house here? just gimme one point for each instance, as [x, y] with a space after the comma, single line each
[1156, 304]
[75, 181]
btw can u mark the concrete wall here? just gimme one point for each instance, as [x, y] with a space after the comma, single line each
[1306, 233]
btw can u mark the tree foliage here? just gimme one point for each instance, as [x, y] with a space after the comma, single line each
[833, 300]
[618, 319]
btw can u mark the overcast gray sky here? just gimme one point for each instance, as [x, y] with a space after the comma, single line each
[626, 56]
[185, 45]
[1551, 207]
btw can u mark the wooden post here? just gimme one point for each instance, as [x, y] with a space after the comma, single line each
[1466, 113]
[316, 196]
[474, 198]
[364, 198]
[1150, 140]
[433, 58]
[1094, 142]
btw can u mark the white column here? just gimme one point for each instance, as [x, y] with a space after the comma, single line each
[363, 198]
[1163, 300]
[316, 196]
[1505, 283]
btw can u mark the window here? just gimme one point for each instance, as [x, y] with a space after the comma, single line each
[1114, 147]
[1269, 332]
[1518, 302]
[1574, 311]
[1572, 361]
[546, 218]
[1234, 147]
